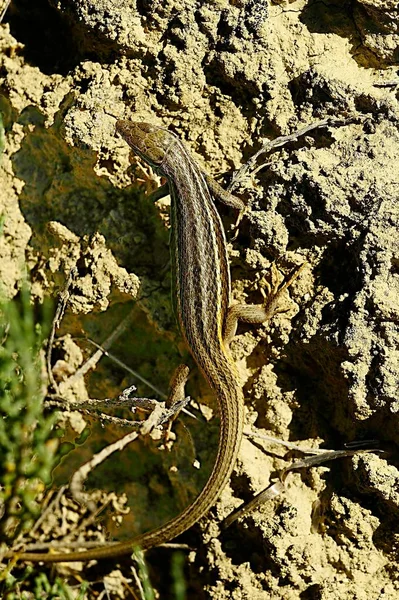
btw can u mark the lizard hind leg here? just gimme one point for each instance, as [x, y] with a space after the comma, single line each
[176, 394]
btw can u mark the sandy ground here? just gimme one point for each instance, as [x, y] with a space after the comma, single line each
[225, 76]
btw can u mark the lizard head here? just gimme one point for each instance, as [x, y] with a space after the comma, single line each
[147, 141]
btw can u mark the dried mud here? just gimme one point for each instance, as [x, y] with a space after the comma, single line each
[225, 76]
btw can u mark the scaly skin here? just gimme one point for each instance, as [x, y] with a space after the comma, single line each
[202, 297]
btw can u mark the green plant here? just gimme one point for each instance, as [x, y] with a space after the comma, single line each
[178, 579]
[27, 442]
[2, 137]
[144, 576]
[178, 590]
[31, 585]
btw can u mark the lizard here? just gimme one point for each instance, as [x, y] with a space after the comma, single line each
[207, 320]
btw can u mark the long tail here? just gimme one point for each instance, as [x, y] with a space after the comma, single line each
[231, 410]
